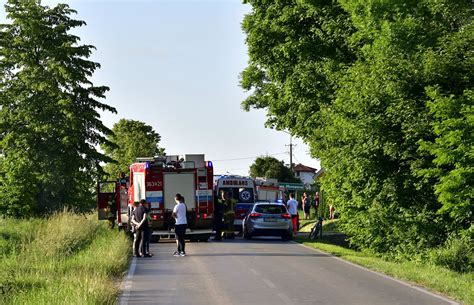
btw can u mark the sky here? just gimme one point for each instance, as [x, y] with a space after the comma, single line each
[175, 65]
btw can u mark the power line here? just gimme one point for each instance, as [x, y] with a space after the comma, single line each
[247, 158]
[294, 156]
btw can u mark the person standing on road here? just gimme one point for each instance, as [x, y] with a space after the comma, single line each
[179, 214]
[229, 216]
[133, 225]
[306, 202]
[148, 230]
[293, 210]
[316, 204]
[141, 221]
[219, 215]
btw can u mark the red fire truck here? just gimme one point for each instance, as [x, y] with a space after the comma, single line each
[269, 190]
[157, 180]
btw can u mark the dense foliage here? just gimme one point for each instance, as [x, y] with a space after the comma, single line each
[130, 139]
[270, 167]
[382, 92]
[49, 121]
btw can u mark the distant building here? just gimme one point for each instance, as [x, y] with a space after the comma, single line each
[305, 173]
[319, 174]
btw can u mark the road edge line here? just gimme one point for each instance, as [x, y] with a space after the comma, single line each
[407, 284]
[126, 286]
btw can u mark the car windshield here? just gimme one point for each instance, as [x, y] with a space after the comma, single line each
[270, 209]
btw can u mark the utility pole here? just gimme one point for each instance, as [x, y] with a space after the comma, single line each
[291, 151]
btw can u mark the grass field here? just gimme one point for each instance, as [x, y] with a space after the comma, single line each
[66, 259]
[328, 225]
[307, 224]
[458, 286]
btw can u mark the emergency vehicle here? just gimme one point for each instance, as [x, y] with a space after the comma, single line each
[269, 190]
[158, 180]
[117, 193]
[242, 190]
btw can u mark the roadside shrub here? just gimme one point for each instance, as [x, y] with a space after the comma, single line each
[458, 252]
[64, 234]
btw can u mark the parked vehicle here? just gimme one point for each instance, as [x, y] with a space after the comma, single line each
[157, 180]
[242, 191]
[268, 219]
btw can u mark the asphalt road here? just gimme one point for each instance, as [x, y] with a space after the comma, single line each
[259, 272]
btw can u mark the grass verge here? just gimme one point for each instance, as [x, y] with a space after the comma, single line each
[328, 225]
[66, 259]
[458, 286]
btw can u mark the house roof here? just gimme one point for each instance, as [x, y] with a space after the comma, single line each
[320, 173]
[303, 168]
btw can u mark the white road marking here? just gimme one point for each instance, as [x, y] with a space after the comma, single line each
[254, 272]
[285, 299]
[269, 283]
[127, 284]
[449, 301]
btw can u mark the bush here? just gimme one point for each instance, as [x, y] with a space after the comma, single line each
[458, 252]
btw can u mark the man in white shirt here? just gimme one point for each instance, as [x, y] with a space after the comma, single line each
[179, 214]
[292, 205]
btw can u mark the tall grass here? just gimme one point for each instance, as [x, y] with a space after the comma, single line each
[66, 259]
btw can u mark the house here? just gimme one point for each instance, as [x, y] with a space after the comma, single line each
[305, 173]
[319, 174]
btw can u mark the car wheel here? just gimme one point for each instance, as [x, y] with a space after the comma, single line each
[287, 237]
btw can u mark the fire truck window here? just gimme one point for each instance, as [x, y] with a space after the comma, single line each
[244, 195]
[107, 187]
[234, 192]
[139, 186]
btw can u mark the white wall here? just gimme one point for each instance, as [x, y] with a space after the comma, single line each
[306, 177]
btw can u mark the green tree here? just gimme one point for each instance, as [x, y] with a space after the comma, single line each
[451, 103]
[270, 167]
[297, 49]
[386, 98]
[49, 120]
[130, 139]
